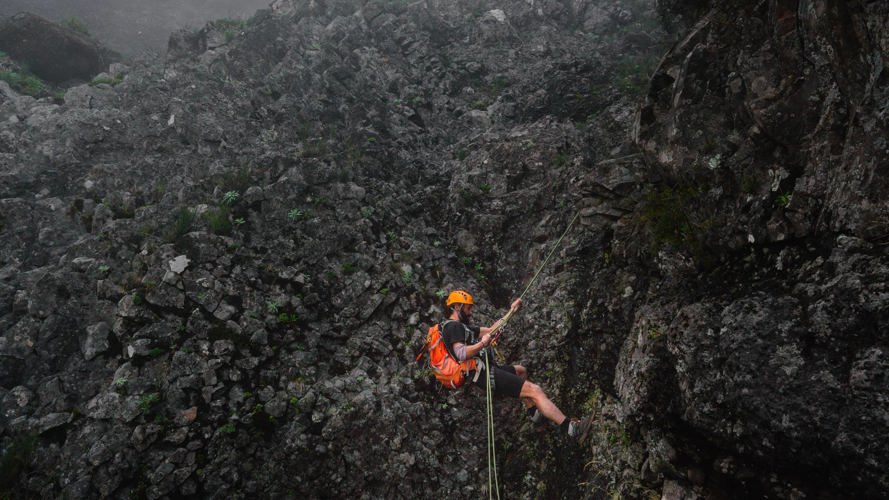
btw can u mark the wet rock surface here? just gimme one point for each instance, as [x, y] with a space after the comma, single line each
[216, 273]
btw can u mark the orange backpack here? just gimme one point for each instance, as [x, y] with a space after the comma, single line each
[450, 372]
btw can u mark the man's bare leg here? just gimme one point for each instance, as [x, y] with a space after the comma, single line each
[547, 408]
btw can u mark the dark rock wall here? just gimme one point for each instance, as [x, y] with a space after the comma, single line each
[766, 124]
[216, 270]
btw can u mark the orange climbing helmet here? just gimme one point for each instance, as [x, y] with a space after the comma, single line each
[459, 297]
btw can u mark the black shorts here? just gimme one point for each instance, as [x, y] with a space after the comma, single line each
[506, 382]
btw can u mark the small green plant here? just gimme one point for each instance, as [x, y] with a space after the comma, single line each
[462, 154]
[239, 221]
[485, 187]
[285, 318]
[366, 212]
[384, 291]
[230, 198]
[654, 333]
[348, 267]
[104, 269]
[148, 401]
[155, 352]
[296, 214]
[391, 235]
[407, 277]
[592, 402]
[218, 219]
[137, 299]
[120, 382]
[228, 428]
[479, 271]
[272, 307]
[371, 140]
[784, 199]
[441, 294]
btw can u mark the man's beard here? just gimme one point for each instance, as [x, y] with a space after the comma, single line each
[464, 318]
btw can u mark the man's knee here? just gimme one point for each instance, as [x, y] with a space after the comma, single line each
[521, 371]
[531, 390]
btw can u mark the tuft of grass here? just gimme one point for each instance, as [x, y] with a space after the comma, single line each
[24, 83]
[296, 214]
[182, 225]
[148, 401]
[219, 222]
[673, 217]
[228, 428]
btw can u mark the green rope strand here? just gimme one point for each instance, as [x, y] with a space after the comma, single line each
[539, 269]
[493, 484]
[492, 453]
[551, 252]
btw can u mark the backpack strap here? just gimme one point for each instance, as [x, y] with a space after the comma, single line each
[448, 346]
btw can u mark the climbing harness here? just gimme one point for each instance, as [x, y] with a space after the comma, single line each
[492, 454]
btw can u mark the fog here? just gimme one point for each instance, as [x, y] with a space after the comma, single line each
[134, 27]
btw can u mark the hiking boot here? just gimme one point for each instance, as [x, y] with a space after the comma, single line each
[535, 416]
[579, 429]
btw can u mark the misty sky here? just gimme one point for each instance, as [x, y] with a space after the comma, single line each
[133, 27]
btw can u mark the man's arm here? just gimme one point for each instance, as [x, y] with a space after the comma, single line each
[486, 330]
[464, 352]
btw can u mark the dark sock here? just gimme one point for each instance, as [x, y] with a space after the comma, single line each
[531, 411]
[565, 425]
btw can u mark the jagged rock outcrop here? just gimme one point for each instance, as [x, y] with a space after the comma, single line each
[766, 124]
[215, 273]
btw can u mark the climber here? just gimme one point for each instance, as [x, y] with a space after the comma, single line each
[460, 336]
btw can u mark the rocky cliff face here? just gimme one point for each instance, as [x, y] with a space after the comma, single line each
[215, 273]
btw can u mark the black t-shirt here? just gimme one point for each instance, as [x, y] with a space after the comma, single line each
[455, 331]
